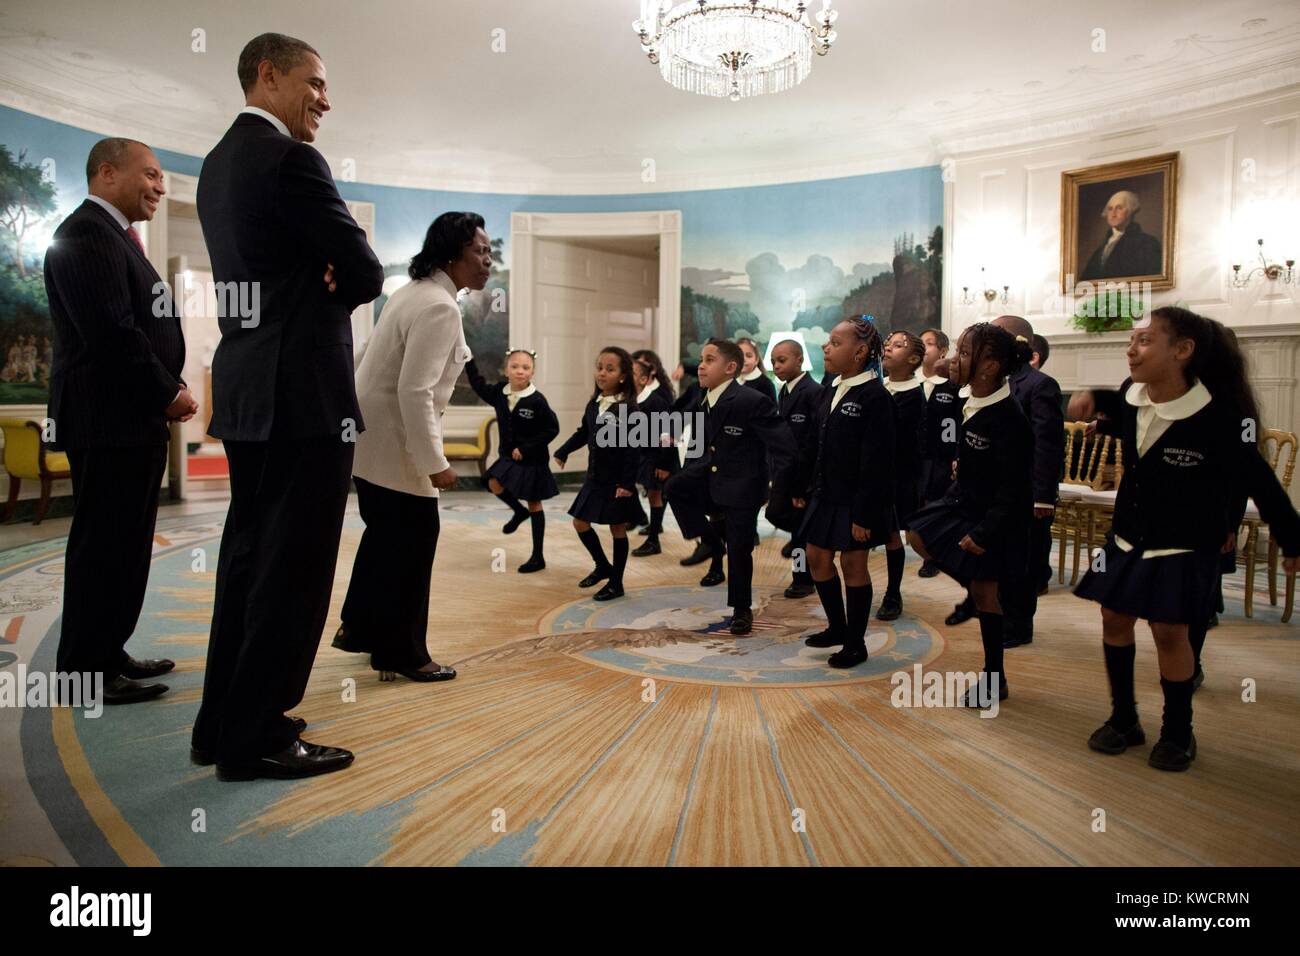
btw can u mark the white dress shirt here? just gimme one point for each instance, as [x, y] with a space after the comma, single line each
[752, 374]
[273, 120]
[112, 210]
[894, 387]
[404, 383]
[842, 385]
[713, 394]
[646, 392]
[929, 382]
[789, 387]
[975, 403]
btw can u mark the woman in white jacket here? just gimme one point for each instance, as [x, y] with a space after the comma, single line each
[403, 385]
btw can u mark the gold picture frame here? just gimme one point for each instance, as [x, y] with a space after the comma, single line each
[1140, 255]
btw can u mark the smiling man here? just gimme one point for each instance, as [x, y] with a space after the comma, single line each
[284, 404]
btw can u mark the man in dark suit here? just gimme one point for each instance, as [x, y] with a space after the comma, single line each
[1039, 397]
[1127, 250]
[797, 405]
[717, 495]
[114, 386]
[285, 406]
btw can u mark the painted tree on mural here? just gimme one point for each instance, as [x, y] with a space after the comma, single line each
[27, 200]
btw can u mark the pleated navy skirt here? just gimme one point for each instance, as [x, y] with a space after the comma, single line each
[525, 482]
[784, 515]
[942, 525]
[1173, 589]
[596, 504]
[830, 526]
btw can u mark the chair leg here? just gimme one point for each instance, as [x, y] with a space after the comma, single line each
[1250, 570]
[14, 485]
[43, 505]
[1062, 531]
[1082, 539]
[1272, 568]
[1290, 598]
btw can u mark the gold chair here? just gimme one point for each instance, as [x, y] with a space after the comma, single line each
[473, 451]
[26, 455]
[1084, 502]
[1273, 447]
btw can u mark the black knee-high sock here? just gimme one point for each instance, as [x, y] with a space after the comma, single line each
[591, 541]
[1177, 726]
[538, 519]
[1119, 671]
[833, 604]
[894, 563]
[858, 600]
[513, 503]
[1196, 635]
[656, 520]
[620, 561]
[991, 636]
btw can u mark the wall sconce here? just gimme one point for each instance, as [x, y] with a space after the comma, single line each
[1268, 270]
[988, 294]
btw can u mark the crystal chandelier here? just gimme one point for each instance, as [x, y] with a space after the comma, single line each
[734, 48]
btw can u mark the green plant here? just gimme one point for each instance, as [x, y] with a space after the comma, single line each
[1110, 310]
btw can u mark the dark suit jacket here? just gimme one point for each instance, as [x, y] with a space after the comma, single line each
[852, 450]
[741, 432]
[613, 464]
[117, 361]
[1039, 397]
[799, 410]
[1135, 254]
[271, 215]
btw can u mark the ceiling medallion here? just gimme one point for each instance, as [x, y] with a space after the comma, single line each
[734, 48]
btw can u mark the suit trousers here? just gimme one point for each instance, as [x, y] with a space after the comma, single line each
[274, 578]
[697, 514]
[110, 545]
[387, 607]
[1018, 593]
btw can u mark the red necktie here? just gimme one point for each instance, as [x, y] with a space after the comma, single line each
[139, 243]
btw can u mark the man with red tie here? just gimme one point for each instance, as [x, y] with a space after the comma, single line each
[114, 385]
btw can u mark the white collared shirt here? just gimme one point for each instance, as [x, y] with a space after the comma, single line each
[513, 397]
[842, 385]
[894, 387]
[929, 382]
[788, 387]
[715, 393]
[752, 374]
[273, 120]
[646, 392]
[113, 211]
[1115, 236]
[974, 403]
[605, 401]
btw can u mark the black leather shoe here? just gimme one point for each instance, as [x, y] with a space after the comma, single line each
[701, 554]
[1168, 755]
[650, 547]
[419, 676]
[142, 670]
[848, 657]
[823, 639]
[928, 570]
[1109, 739]
[715, 576]
[532, 564]
[799, 590]
[595, 577]
[609, 592]
[962, 613]
[206, 758]
[1016, 640]
[742, 622]
[346, 641]
[511, 526]
[978, 693]
[787, 549]
[891, 608]
[299, 759]
[123, 690]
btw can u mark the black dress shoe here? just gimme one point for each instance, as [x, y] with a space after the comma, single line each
[650, 547]
[848, 657]
[799, 590]
[978, 694]
[1016, 640]
[787, 549]
[742, 622]
[299, 759]
[595, 577]
[419, 676]
[701, 554]
[823, 639]
[609, 592]
[532, 564]
[123, 690]
[344, 640]
[202, 757]
[1109, 739]
[715, 576]
[891, 608]
[1169, 755]
[142, 670]
[962, 613]
[511, 526]
[928, 570]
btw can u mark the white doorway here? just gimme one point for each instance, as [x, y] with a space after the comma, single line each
[583, 281]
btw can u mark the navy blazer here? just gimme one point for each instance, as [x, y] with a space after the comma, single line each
[943, 412]
[993, 484]
[853, 449]
[763, 385]
[271, 215]
[117, 360]
[531, 427]
[661, 401]
[607, 464]
[741, 433]
[1039, 397]
[799, 410]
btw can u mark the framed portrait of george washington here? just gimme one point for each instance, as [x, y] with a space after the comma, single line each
[1118, 224]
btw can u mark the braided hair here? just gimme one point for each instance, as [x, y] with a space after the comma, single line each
[867, 333]
[987, 340]
[913, 344]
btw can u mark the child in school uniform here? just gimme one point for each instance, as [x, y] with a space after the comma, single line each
[850, 495]
[797, 405]
[979, 532]
[658, 462]
[526, 426]
[902, 357]
[754, 375]
[608, 495]
[718, 495]
[1188, 424]
[942, 416]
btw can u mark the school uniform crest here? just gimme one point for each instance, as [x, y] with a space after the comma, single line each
[850, 409]
[733, 430]
[976, 441]
[525, 412]
[945, 397]
[798, 418]
[1183, 457]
